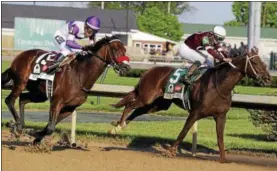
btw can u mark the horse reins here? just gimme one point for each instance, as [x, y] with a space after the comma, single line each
[103, 60]
[248, 60]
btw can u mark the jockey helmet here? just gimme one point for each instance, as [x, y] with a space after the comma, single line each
[220, 32]
[93, 23]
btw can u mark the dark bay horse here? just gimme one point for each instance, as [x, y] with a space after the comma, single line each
[210, 95]
[70, 87]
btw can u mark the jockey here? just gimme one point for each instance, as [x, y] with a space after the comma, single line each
[207, 41]
[65, 37]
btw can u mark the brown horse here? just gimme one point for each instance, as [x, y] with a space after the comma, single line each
[210, 95]
[71, 85]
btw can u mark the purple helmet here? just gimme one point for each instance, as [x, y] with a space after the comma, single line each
[93, 22]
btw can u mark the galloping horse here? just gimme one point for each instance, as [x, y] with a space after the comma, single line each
[210, 95]
[70, 87]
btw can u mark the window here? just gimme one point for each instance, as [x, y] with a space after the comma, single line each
[138, 44]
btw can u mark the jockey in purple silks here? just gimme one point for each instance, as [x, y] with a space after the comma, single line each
[65, 37]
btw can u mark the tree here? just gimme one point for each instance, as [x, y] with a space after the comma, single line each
[268, 14]
[156, 22]
[139, 7]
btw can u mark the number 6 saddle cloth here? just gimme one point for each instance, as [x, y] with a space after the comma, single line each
[177, 90]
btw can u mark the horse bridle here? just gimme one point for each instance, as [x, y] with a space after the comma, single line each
[247, 62]
[114, 64]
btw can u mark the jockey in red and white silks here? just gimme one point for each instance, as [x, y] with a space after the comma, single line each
[208, 41]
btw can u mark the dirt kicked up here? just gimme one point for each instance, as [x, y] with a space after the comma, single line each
[108, 157]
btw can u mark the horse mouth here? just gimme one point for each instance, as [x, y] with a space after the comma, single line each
[122, 69]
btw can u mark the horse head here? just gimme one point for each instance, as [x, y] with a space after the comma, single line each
[112, 51]
[254, 67]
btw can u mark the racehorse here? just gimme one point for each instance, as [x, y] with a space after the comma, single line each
[71, 84]
[210, 95]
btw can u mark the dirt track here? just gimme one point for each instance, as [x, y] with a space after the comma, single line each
[109, 157]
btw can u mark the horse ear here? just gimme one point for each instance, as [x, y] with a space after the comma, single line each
[253, 50]
[246, 49]
[256, 49]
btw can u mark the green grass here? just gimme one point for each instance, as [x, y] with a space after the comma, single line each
[254, 90]
[240, 134]
[113, 78]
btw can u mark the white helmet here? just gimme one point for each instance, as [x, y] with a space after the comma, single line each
[220, 32]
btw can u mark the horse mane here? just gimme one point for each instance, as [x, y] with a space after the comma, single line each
[101, 42]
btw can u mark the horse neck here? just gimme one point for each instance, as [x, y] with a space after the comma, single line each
[89, 71]
[227, 77]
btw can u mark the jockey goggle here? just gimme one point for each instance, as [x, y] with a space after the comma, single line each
[89, 30]
[219, 38]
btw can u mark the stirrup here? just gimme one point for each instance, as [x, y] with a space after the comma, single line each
[185, 80]
[52, 68]
[52, 71]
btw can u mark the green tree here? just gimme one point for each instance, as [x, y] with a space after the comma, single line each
[156, 22]
[139, 7]
[268, 14]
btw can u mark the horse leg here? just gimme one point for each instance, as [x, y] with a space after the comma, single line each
[64, 113]
[192, 118]
[49, 129]
[28, 97]
[157, 105]
[220, 125]
[19, 86]
[128, 108]
[121, 123]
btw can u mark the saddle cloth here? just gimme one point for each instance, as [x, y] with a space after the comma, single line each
[43, 60]
[177, 90]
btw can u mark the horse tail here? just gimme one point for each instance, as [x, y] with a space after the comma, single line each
[124, 101]
[6, 77]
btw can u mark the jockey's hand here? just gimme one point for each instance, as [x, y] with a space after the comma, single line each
[84, 53]
[86, 48]
[227, 59]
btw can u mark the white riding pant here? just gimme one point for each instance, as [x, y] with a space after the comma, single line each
[192, 55]
[60, 42]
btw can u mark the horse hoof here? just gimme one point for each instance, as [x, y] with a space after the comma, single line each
[10, 124]
[169, 151]
[114, 123]
[30, 132]
[19, 130]
[166, 146]
[74, 145]
[115, 130]
[36, 141]
[112, 132]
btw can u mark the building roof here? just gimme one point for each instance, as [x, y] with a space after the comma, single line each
[111, 20]
[232, 31]
[143, 36]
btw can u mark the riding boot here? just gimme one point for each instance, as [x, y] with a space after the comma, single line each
[186, 78]
[53, 67]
